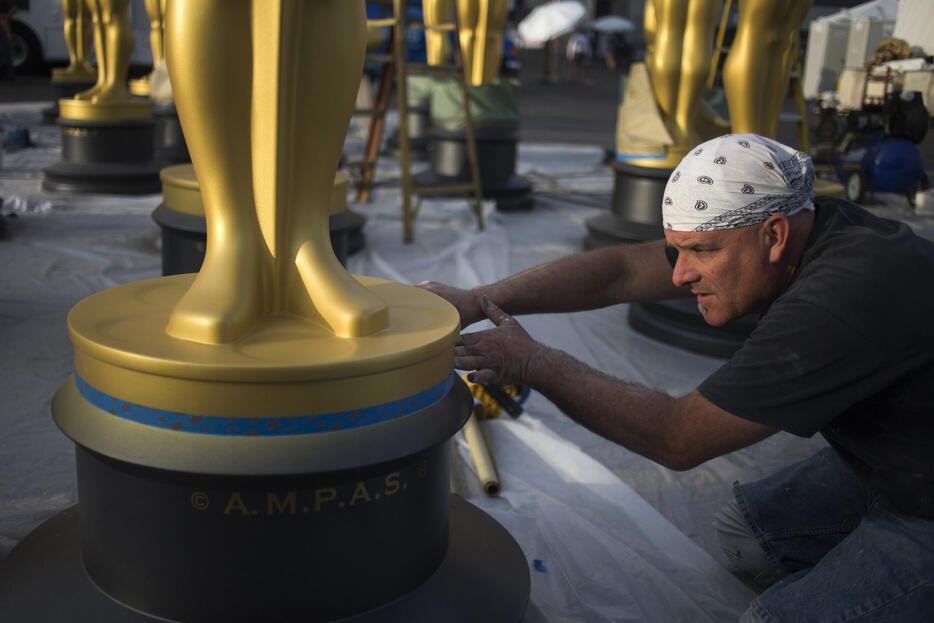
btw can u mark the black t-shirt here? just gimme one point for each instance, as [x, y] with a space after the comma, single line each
[847, 350]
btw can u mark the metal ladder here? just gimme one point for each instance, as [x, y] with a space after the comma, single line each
[396, 68]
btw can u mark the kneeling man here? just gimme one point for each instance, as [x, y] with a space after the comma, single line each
[844, 347]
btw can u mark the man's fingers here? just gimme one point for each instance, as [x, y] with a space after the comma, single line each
[470, 363]
[493, 312]
[484, 376]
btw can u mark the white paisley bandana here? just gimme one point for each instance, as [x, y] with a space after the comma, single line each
[737, 180]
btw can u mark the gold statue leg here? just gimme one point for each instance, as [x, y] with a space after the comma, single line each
[210, 59]
[665, 63]
[679, 41]
[777, 89]
[94, 9]
[756, 71]
[113, 42]
[77, 36]
[468, 14]
[481, 25]
[301, 110]
[695, 66]
[155, 9]
[265, 124]
[437, 42]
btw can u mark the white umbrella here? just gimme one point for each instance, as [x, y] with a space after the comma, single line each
[549, 21]
[612, 23]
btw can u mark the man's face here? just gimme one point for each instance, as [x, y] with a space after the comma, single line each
[728, 271]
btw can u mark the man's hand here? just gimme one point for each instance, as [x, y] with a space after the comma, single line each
[503, 355]
[467, 302]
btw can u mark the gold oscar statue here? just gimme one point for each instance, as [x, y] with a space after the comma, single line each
[481, 24]
[662, 115]
[78, 42]
[109, 98]
[155, 9]
[757, 69]
[268, 249]
[437, 42]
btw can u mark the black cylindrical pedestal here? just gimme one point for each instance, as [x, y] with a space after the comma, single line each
[184, 238]
[419, 122]
[64, 89]
[383, 541]
[636, 214]
[170, 146]
[105, 157]
[496, 153]
[679, 323]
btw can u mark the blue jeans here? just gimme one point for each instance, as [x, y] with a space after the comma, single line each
[829, 548]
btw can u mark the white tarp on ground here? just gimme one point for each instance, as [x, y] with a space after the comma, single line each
[620, 538]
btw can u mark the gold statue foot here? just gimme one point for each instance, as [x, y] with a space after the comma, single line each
[225, 300]
[90, 94]
[350, 309]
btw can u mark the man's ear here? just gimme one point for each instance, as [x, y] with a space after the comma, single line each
[776, 231]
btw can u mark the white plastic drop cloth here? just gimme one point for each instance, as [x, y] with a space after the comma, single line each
[618, 537]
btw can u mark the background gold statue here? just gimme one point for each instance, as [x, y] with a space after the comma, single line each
[757, 69]
[481, 24]
[679, 42]
[265, 121]
[437, 43]
[113, 44]
[155, 9]
[78, 41]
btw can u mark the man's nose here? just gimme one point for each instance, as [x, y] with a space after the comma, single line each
[684, 274]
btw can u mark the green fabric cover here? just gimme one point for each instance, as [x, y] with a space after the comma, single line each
[491, 105]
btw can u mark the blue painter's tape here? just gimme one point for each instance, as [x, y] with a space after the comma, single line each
[264, 426]
[653, 156]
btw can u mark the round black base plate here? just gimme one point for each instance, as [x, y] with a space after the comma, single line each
[513, 195]
[679, 323]
[108, 178]
[484, 577]
[606, 230]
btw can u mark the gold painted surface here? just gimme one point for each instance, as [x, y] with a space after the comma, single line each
[113, 45]
[437, 42]
[181, 192]
[78, 41]
[828, 188]
[481, 24]
[155, 10]
[680, 34]
[756, 72]
[85, 110]
[285, 360]
[269, 248]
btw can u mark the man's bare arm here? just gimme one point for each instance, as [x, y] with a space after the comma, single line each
[590, 280]
[679, 433]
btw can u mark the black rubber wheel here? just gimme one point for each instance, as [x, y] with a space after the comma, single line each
[921, 185]
[27, 51]
[855, 187]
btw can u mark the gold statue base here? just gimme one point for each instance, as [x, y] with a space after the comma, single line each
[140, 87]
[121, 110]
[285, 367]
[293, 475]
[66, 74]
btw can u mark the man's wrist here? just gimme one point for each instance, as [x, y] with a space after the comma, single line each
[540, 365]
[476, 309]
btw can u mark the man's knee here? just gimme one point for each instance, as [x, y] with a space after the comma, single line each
[742, 550]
